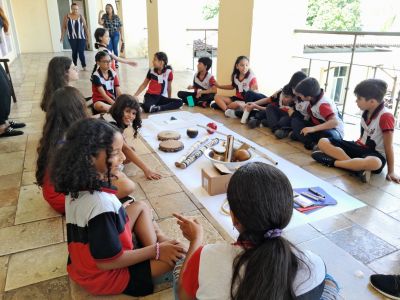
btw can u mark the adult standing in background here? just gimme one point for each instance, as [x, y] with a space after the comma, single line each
[78, 34]
[113, 24]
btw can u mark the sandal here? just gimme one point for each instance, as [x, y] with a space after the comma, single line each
[11, 132]
[16, 125]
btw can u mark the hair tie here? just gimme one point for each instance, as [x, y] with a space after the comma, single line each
[273, 233]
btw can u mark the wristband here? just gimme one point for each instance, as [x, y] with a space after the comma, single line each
[157, 251]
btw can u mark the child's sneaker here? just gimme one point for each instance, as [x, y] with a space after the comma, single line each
[154, 108]
[253, 123]
[230, 113]
[213, 105]
[282, 133]
[387, 285]
[324, 159]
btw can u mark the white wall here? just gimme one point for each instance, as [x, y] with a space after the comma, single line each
[273, 42]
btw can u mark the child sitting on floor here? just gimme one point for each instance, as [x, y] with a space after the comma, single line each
[159, 79]
[325, 120]
[203, 85]
[375, 145]
[105, 83]
[102, 257]
[244, 82]
[66, 107]
[261, 264]
[102, 37]
[123, 113]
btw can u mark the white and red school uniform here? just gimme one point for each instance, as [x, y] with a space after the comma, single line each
[302, 107]
[205, 84]
[109, 85]
[372, 129]
[208, 273]
[242, 86]
[322, 109]
[158, 84]
[98, 230]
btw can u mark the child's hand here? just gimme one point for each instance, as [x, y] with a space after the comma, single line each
[250, 106]
[290, 111]
[149, 174]
[393, 177]
[171, 252]
[198, 94]
[190, 87]
[307, 130]
[191, 228]
[132, 63]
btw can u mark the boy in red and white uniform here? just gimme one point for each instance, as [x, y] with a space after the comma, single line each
[374, 147]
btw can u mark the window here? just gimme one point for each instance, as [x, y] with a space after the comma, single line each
[339, 76]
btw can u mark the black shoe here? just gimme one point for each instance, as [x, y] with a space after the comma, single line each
[16, 125]
[264, 122]
[282, 133]
[324, 159]
[214, 105]
[309, 145]
[253, 123]
[239, 113]
[387, 285]
[11, 132]
[154, 108]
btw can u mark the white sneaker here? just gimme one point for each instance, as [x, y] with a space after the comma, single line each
[230, 113]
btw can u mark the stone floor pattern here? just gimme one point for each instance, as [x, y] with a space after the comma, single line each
[33, 248]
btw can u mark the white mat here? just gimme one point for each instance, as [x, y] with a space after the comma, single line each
[191, 177]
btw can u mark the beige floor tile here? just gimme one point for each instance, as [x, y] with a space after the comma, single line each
[44, 264]
[282, 149]
[385, 202]
[343, 267]
[31, 235]
[217, 226]
[331, 224]
[138, 193]
[3, 272]
[7, 216]
[323, 172]
[140, 147]
[10, 181]
[266, 141]
[54, 289]
[11, 163]
[300, 159]
[301, 234]
[171, 229]
[389, 264]
[351, 184]
[28, 178]
[32, 206]
[378, 223]
[168, 204]
[164, 186]
[14, 144]
[9, 197]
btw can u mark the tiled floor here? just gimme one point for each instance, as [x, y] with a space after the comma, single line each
[32, 236]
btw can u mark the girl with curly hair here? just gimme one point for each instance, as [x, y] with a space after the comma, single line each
[102, 256]
[123, 113]
[66, 107]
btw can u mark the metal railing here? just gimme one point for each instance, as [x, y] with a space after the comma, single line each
[355, 35]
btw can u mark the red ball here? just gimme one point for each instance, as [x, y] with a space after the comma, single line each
[212, 126]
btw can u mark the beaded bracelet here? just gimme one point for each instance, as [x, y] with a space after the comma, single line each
[157, 251]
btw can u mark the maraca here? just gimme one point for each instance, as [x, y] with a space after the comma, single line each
[212, 127]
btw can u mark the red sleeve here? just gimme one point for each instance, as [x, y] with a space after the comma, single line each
[386, 122]
[253, 82]
[56, 200]
[170, 76]
[326, 111]
[116, 81]
[212, 81]
[190, 277]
